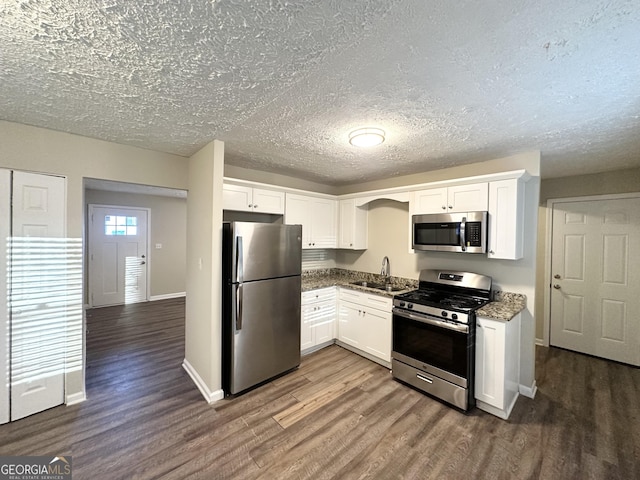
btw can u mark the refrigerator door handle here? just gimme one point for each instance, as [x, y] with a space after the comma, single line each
[239, 261]
[239, 307]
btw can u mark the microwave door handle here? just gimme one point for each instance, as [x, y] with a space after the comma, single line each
[463, 234]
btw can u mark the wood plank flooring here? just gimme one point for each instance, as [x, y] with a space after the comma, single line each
[339, 416]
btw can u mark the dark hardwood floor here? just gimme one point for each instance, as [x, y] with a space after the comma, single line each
[338, 416]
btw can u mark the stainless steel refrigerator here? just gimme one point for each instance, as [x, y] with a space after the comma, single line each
[262, 264]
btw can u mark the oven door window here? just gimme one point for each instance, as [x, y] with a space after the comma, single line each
[442, 348]
[437, 233]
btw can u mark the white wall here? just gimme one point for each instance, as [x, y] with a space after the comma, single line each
[168, 227]
[46, 151]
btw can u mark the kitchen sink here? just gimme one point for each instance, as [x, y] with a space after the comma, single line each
[378, 286]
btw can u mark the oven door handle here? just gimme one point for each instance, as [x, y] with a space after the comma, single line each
[431, 321]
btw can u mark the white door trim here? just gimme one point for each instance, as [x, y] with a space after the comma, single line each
[551, 203]
[90, 208]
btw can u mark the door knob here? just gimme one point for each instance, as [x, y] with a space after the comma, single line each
[556, 286]
[556, 276]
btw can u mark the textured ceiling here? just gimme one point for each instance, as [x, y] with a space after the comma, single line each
[283, 82]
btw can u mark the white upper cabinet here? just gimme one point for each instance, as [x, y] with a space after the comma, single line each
[457, 198]
[318, 217]
[506, 219]
[353, 225]
[249, 199]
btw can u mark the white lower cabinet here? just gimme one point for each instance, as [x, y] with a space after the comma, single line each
[364, 322]
[497, 365]
[318, 318]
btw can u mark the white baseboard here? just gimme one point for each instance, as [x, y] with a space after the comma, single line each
[528, 391]
[167, 296]
[75, 398]
[209, 396]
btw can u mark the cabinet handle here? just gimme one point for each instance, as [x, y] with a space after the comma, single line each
[450, 206]
[556, 286]
[491, 252]
[556, 276]
[444, 207]
[255, 205]
[250, 206]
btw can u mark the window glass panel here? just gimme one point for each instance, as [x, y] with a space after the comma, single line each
[120, 225]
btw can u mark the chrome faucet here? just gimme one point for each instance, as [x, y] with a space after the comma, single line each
[386, 269]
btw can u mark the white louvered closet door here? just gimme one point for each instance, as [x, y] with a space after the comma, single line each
[39, 291]
[5, 230]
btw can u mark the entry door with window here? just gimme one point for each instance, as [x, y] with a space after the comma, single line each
[117, 255]
[595, 284]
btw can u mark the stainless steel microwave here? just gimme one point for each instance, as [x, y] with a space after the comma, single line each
[450, 232]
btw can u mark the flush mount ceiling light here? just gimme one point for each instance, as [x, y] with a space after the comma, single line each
[366, 137]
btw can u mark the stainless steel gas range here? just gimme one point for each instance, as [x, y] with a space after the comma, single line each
[434, 334]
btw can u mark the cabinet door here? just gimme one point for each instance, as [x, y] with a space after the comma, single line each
[307, 339]
[268, 201]
[352, 225]
[490, 362]
[324, 223]
[298, 212]
[433, 200]
[468, 198]
[506, 219]
[350, 324]
[347, 223]
[377, 333]
[324, 326]
[237, 197]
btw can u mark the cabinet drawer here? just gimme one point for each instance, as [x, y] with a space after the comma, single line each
[378, 302]
[319, 295]
[349, 295]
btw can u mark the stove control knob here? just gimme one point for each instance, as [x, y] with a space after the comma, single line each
[409, 305]
[454, 316]
[443, 313]
[402, 304]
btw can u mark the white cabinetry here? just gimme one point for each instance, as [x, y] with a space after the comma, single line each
[364, 322]
[457, 198]
[318, 318]
[497, 365]
[244, 198]
[353, 225]
[506, 219]
[318, 217]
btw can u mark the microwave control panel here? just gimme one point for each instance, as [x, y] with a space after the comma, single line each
[474, 234]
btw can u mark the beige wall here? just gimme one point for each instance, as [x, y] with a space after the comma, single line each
[168, 226]
[276, 179]
[616, 182]
[75, 157]
[203, 351]
[522, 161]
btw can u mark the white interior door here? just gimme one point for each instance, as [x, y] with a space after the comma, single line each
[5, 231]
[37, 293]
[117, 255]
[595, 295]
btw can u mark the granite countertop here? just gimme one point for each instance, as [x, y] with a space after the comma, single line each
[505, 306]
[331, 277]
